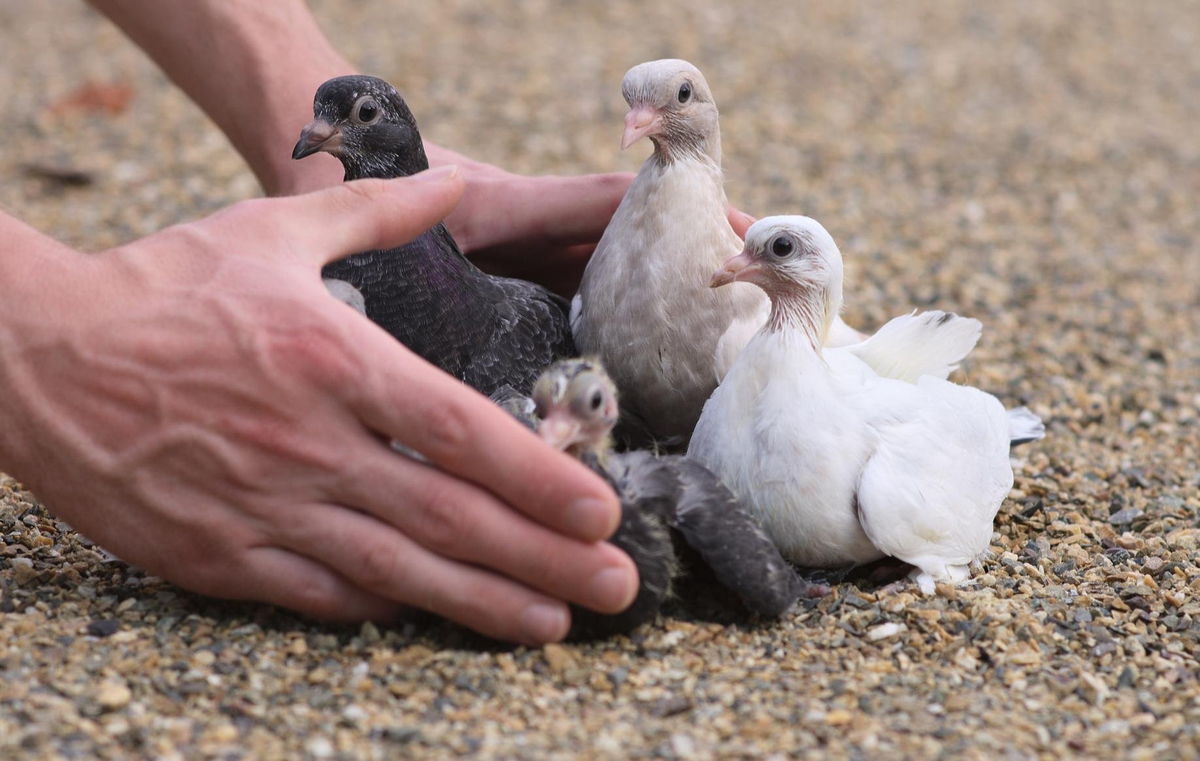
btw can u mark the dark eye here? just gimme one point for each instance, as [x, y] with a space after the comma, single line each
[782, 246]
[596, 400]
[685, 92]
[366, 110]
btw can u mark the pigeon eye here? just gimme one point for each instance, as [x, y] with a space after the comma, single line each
[366, 111]
[782, 246]
[596, 400]
[685, 92]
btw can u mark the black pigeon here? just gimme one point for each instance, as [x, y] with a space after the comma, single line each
[577, 404]
[488, 331]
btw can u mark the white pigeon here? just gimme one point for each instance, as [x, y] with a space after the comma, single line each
[644, 307]
[842, 465]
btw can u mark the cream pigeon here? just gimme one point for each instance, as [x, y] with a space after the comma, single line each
[644, 307]
[842, 465]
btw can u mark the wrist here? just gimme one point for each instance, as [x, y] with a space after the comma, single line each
[39, 278]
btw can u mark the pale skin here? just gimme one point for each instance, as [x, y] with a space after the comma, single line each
[194, 402]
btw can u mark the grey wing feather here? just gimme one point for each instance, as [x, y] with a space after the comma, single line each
[645, 537]
[739, 552]
[531, 333]
[516, 404]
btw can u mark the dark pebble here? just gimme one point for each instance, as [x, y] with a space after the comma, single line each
[104, 627]
[672, 705]
[1125, 516]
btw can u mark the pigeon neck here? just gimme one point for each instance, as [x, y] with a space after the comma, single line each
[384, 166]
[595, 451]
[807, 311]
[678, 147]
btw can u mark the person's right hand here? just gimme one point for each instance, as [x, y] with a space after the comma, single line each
[197, 404]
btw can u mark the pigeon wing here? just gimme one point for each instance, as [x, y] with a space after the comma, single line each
[911, 345]
[644, 536]
[929, 493]
[531, 332]
[731, 543]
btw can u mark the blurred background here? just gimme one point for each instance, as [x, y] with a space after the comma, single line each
[1035, 165]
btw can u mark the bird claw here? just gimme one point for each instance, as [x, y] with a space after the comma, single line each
[815, 591]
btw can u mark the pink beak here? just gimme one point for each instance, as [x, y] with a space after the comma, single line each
[741, 267]
[642, 120]
[559, 430]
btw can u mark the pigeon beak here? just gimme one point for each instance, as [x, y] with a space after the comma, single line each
[559, 430]
[741, 267]
[642, 120]
[319, 135]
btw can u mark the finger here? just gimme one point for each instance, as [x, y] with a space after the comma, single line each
[578, 209]
[384, 561]
[459, 521]
[465, 435]
[295, 582]
[363, 215]
[554, 211]
[740, 221]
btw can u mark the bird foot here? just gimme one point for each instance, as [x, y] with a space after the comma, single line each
[815, 591]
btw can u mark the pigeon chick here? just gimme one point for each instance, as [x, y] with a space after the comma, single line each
[577, 403]
[644, 306]
[488, 331]
[843, 466]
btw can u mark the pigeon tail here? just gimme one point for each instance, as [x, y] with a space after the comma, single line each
[1024, 426]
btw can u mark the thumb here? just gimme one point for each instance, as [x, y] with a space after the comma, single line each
[740, 221]
[365, 215]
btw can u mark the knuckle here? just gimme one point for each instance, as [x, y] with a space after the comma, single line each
[550, 568]
[317, 351]
[379, 565]
[447, 429]
[319, 597]
[207, 572]
[483, 608]
[444, 524]
[367, 202]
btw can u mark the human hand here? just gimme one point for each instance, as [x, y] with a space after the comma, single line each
[542, 229]
[197, 404]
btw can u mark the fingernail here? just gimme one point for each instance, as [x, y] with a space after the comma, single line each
[592, 518]
[613, 590]
[545, 623]
[437, 174]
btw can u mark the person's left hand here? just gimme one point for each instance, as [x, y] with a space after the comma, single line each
[541, 229]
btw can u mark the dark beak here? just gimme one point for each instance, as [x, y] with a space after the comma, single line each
[319, 135]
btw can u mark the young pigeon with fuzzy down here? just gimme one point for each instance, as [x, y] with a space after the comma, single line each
[490, 332]
[843, 466]
[644, 306]
[577, 405]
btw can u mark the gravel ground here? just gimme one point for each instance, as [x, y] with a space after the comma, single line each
[1035, 166]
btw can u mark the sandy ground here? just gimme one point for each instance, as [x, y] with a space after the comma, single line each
[1035, 166]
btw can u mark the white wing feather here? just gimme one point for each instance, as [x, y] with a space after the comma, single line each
[930, 492]
[931, 343]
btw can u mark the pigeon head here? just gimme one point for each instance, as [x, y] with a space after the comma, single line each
[577, 403]
[795, 260]
[365, 123]
[670, 103]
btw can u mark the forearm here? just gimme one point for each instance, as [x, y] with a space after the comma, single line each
[252, 66]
